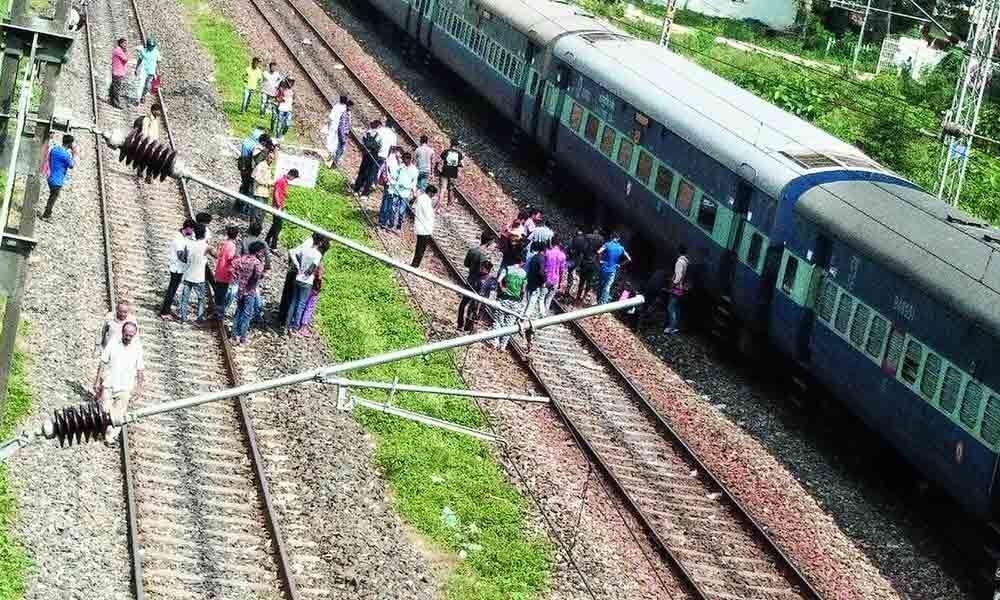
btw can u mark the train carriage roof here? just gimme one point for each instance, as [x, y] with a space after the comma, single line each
[942, 251]
[727, 122]
[543, 21]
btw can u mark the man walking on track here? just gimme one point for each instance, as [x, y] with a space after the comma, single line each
[278, 196]
[680, 285]
[474, 258]
[111, 329]
[119, 67]
[451, 162]
[423, 222]
[424, 158]
[612, 255]
[369, 161]
[338, 125]
[61, 159]
[119, 377]
[145, 68]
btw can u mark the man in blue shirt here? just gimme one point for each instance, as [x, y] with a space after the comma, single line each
[61, 159]
[612, 254]
[145, 68]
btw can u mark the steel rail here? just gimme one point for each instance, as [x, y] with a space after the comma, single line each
[131, 519]
[627, 381]
[284, 564]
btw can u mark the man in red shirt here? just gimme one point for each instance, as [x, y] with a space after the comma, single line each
[278, 196]
[223, 276]
[119, 67]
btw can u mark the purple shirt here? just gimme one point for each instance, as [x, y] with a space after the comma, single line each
[555, 262]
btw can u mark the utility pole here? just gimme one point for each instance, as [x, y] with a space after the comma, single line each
[960, 122]
[861, 37]
[668, 21]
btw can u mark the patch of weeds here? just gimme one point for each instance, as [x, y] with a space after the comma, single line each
[446, 485]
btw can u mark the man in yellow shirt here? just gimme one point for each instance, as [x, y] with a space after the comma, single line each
[251, 82]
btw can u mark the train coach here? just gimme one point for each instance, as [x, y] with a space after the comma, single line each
[858, 277]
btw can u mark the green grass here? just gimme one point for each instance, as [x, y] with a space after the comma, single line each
[231, 56]
[14, 561]
[361, 312]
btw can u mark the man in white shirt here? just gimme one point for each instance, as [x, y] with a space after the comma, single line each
[194, 276]
[176, 266]
[119, 377]
[288, 288]
[269, 88]
[404, 188]
[306, 262]
[111, 328]
[386, 139]
[423, 222]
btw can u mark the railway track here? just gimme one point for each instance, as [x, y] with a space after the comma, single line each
[200, 518]
[701, 530]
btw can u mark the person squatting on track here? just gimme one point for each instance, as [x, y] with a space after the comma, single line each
[248, 271]
[111, 329]
[474, 259]
[60, 160]
[251, 82]
[194, 275]
[120, 376]
[306, 261]
[147, 61]
[119, 68]
[278, 196]
[423, 222]
[222, 284]
[338, 125]
[680, 286]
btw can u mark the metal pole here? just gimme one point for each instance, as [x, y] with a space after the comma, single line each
[424, 419]
[668, 21]
[181, 172]
[426, 389]
[323, 373]
[22, 116]
[861, 37]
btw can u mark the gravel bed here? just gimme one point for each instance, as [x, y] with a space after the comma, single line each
[71, 516]
[879, 529]
[330, 501]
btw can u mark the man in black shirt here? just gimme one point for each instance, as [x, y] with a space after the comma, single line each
[587, 264]
[474, 259]
[535, 282]
[451, 162]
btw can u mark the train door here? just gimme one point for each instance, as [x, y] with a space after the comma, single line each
[562, 84]
[425, 22]
[526, 103]
[821, 260]
[739, 203]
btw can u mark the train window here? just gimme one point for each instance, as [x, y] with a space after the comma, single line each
[533, 84]
[644, 167]
[788, 279]
[827, 299]
[706, 213]
[843, 312]
[664, 181]
[931, 376]
[911, 361]
[895, 351]
[608, 141]
[876, 336]
[971, 400]
[593, 124]
[685, 196]
[990, 429]
[753, 254]
[575, 116]
[949, 389]
[625, 154]
[859, 324]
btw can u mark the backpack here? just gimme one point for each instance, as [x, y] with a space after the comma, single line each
[512, 284]
[371, 143]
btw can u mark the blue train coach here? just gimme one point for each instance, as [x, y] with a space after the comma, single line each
[860, 279]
